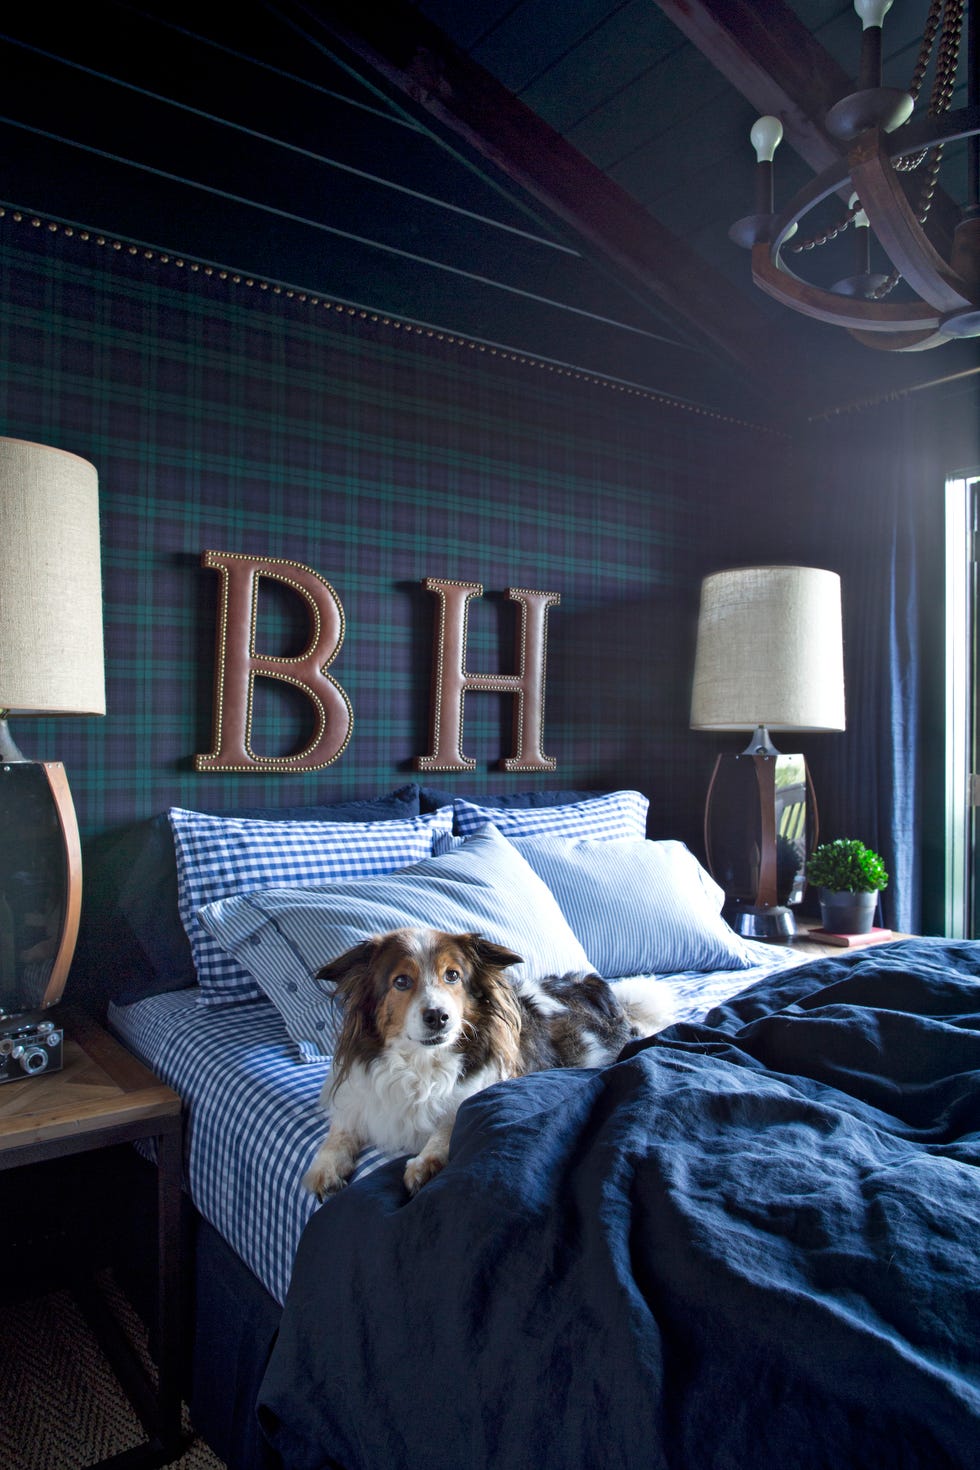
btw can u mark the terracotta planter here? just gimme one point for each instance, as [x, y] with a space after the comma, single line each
[847, 913]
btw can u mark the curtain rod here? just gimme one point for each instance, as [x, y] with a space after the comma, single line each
[862, 403]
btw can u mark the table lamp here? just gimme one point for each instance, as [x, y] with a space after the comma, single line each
[51, 663]
[769, 657]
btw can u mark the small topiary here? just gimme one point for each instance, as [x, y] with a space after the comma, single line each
[846, 866]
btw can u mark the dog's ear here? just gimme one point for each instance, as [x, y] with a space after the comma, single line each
[351, 976]
[485, 952]
[338, 969]
[499, 1028]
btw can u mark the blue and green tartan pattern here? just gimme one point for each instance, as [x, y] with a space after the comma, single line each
[255, 425]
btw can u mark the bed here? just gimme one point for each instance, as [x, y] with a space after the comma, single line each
[757, 1228]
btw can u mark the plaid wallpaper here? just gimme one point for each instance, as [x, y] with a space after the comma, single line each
[223, 417]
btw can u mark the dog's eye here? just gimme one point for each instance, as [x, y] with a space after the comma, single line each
[452, 977]
[402, 982]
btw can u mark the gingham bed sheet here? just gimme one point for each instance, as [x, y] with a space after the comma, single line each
[252, 1115]
[252, 1120]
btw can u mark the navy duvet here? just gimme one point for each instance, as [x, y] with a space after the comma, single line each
[749, 1243]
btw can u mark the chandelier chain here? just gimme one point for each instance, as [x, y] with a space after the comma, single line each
[812, 242]
[947, 60]
[936, 13]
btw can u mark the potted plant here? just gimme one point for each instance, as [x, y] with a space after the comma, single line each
[849, 877]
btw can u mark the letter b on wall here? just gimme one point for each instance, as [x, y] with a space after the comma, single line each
[237, 666]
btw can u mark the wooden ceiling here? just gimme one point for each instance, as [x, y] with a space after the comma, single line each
[554, 177]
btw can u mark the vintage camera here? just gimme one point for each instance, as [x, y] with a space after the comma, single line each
[28, 1047]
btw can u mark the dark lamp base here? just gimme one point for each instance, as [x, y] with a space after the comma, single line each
[759, 826]
[40, 884]
[773, 922]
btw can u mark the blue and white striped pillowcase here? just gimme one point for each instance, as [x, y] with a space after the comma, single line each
[603, 818]
[221, 856]
[637, 907]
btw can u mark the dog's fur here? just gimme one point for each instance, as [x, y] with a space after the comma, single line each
[430, 1018]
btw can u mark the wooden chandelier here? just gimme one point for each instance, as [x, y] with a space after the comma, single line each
[882, 141]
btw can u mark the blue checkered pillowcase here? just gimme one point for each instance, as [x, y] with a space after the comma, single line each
[617, 814]
[220, 856]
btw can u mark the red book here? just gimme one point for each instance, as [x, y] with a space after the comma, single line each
[850, 941]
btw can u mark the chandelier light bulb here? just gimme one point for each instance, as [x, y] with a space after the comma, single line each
[872, 12]
[765, 137]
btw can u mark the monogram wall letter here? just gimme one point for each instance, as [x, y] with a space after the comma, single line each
[450, 680]
[237, 666]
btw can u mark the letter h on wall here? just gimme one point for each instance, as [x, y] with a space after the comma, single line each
[450, 681]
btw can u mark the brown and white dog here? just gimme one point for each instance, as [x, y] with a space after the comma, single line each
[430, 1018]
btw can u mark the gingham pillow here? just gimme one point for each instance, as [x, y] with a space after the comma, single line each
[618, 814]
[220, 856]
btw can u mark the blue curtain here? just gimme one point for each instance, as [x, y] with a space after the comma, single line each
[874, 483]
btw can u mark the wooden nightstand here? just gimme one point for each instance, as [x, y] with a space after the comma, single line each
[812, 948]
[102, 1097]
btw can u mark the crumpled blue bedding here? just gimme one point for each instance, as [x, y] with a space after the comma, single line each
[752, 1242]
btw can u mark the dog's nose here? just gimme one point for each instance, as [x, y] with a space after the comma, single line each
[435, 1018]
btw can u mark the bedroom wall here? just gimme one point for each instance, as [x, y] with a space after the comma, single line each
[223, 417]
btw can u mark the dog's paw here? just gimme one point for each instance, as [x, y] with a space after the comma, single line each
[421, 1169]
[323, 1179]
[333, 1164]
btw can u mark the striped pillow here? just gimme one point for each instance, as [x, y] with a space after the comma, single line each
[284, 935]
[637, 907]
[219, 856]
[617, 814]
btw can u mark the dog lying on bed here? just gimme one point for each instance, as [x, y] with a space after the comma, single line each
[430, 1018]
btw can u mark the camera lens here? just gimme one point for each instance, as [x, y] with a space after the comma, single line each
[33, 1059]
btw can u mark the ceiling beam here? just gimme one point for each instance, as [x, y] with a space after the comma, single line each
[419, 61]
[769, 56]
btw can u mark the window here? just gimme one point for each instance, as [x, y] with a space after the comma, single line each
[962, 886]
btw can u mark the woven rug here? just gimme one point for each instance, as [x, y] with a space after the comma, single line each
[61, 1406]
